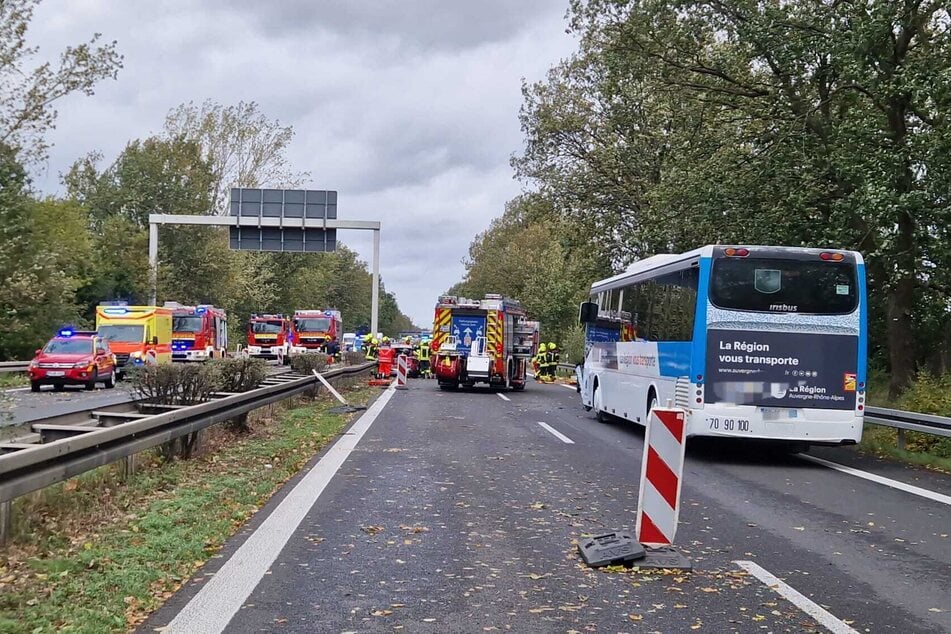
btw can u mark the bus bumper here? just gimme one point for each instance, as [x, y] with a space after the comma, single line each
[819, 427]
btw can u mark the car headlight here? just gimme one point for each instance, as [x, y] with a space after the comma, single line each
[82, 364]
[135, 355]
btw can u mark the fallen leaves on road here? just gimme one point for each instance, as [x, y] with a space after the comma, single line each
[372, 530]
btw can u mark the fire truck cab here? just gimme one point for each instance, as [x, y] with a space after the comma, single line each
[317, 330]
[199, 332]
[486, 340]
[269, 336]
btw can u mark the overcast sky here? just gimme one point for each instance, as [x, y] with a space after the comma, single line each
[408, 108]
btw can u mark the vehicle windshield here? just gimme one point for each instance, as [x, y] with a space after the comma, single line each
[123, 333]
[267, 327]
[312, 325]
[186, 323]
[776, 285]
[68, 346]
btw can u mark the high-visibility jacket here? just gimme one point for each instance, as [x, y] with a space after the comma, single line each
[422, 352]
[371, 352]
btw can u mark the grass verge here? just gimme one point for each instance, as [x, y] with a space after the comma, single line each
[97, 555]
[13, 379]
[928, 394]
[883, 442]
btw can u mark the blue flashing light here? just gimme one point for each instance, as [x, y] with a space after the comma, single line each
[115, 311]
[65, 332]
[200, 310]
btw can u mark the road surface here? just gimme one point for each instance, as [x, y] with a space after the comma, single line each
[459, 512]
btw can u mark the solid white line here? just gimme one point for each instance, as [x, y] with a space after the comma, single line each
[503, 396]
[560, 436]
[570, 387]
[821, 616]
[895, 484]
[223, 595]
[16, 389]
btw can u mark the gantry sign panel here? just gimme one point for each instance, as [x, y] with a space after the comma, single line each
[283, 220]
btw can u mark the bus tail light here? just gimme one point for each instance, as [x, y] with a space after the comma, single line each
[831, 257]
[739, 253]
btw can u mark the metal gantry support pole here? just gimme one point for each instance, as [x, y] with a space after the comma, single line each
[375, 304]
[153, 263]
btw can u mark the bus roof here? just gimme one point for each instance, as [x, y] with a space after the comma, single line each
[670, 262]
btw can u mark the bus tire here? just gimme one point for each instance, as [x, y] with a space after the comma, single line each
[651, 403]
[601, 415]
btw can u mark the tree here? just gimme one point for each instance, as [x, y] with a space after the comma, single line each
[243, 146]
[28, 95]
[42, 246]
[802, 122]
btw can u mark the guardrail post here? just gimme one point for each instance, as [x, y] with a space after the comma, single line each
[127, 467]
[6, 521]
[901, 438]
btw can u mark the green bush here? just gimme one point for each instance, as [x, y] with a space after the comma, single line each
[354, 358]
[929, 394]
[306, 363]
[176, 383]
[240, 375]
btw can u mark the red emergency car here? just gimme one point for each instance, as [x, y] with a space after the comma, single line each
[73, 358]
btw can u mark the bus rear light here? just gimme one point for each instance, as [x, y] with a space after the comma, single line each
[860, 407]
[699, 377]
[740, 253]
[831, 257]
[700, 400]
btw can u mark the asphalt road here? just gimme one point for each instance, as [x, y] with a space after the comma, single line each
[19, 405]
[458, 512]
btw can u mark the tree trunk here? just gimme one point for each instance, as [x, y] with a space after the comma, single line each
[901, 343]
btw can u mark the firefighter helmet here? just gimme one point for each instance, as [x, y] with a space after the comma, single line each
[552, 346]
[543, 348]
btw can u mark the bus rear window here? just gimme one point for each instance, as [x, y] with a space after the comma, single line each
[773, 285]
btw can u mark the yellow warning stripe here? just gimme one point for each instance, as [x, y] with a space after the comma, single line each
[441, 325]
[494, 331]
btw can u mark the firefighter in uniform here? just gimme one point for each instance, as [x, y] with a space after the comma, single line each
[538, 362]
[553, 359]
[422, 354]
[372, 348]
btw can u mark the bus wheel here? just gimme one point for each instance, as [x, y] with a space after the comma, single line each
[600, 414]
[651, 402]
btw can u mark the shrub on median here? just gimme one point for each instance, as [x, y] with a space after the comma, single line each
[306, 363]
[929, 394]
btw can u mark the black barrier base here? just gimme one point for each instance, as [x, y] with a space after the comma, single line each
[346, 409]
[666, 557]
[610, 549]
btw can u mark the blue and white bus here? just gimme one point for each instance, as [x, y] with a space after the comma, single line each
[754, 342]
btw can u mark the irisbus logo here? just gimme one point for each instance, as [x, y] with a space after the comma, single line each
[784, 308]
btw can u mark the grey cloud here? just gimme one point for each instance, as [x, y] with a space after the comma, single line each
[423, 24]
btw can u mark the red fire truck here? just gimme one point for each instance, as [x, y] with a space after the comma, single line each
[485, 340]
[199, 332]
[316, 330]
[269, 336]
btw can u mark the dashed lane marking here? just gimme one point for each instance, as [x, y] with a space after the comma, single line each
[820, 615]
[570, 387]
[557, 434]
[503, 396]
[219, 600]
[871, 477]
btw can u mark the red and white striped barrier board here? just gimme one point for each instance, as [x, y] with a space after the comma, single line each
[402, 367]
[658, 504]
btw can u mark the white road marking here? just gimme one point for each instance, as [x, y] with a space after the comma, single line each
[223, 595]
[820, 615]
[557, 434]
[570, 387]
[895, 484]
[503, 396]
[16, 389]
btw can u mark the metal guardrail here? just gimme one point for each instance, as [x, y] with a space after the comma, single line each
[911, 421]
[14, 366]
[82, 449]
